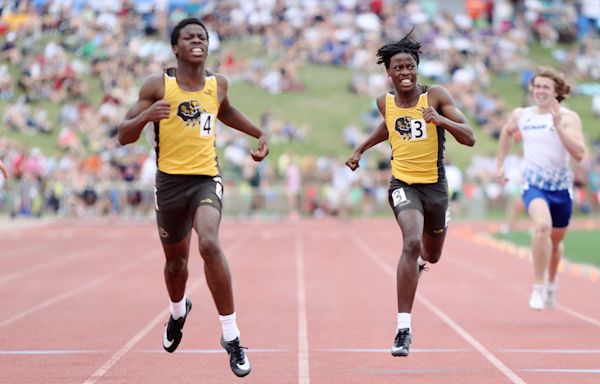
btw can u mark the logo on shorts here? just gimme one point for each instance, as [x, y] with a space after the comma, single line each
[438, 231]
[206, 201]
[162, 233]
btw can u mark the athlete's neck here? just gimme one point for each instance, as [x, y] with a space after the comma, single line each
[542, 110]
[407, 99]
[190, 77]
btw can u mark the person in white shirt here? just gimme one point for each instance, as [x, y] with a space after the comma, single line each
[550, 134]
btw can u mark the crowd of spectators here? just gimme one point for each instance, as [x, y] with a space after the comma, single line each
[55, 51]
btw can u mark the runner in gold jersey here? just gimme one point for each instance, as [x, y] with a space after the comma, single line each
[183, 104]
[415, 120]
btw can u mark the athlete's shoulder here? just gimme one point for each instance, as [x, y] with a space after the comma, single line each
[221, 79]
[153, 87]
[426, 88]
[154, 79]
[437, 95]
[570, 116]
[567, 111]
[381, 101]
[519, 111]
[435, 90]
[383, 96]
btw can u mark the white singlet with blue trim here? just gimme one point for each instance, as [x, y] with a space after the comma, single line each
[546, 160]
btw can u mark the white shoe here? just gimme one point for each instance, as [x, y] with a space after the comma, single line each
[536, 301]
[550, 295]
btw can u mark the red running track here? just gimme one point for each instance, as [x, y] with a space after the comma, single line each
[84, 302]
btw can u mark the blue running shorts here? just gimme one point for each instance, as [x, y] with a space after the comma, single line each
[559, 202]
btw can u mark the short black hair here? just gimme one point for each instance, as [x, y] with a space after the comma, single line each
[406, 45]
[176, 32]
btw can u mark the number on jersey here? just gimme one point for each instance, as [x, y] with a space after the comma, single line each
[207, 124]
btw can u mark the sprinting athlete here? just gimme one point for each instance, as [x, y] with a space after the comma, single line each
[184, 104]
[416, 118]
[550, 134]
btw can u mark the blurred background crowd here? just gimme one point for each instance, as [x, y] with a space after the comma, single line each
[87, 59]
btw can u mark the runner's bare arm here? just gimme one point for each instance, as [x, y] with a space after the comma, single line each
[379, 135]
[150, 107]
[505, 142]
[449, 117]
[237, 120]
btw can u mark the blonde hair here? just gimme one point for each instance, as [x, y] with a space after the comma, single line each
[560, 84]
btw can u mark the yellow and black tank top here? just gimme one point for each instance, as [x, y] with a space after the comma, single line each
[417, 146]
[185, 142]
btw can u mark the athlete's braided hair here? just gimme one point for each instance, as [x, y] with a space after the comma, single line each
[406, 45]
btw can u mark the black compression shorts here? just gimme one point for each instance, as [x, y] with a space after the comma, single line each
[178, 197]
[429, 199]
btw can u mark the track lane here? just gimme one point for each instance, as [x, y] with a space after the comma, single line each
[486, 292]
[114, 327]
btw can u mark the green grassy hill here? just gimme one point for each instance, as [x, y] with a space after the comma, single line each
[327, 107]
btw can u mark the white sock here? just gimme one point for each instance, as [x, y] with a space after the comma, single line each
[229, 326]
[539, 288]
[177, 309]
[421, 262]
[403, 321]
[551, 286]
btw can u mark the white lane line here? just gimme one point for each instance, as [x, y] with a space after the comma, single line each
[303, 366]
[58, 352]
[578, 315]
[130, 344]
[561, 351]
[563, 308]
[474, 342]
[74, 255]
[77, 290]
[100, 372]
[444, 317]
[420, 371]
[42, 352]
[558, 307]
[563, 370]
[218, 351]
[387, 350]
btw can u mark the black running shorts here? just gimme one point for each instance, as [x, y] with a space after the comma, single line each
[178, 197]
[429, 199]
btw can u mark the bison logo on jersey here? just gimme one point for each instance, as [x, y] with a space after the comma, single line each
[403, 127]
[190, 112]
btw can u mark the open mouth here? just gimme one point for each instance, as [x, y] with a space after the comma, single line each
[197, 51]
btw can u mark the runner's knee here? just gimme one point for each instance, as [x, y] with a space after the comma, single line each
[412, 247]
[175, 267]
[542, 228]
[209, 247]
